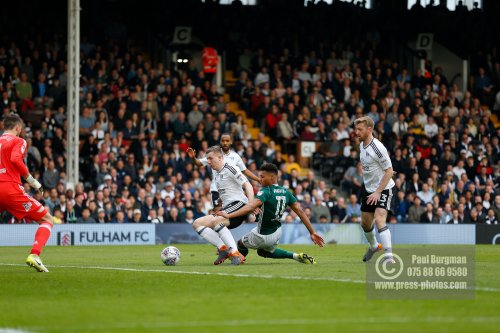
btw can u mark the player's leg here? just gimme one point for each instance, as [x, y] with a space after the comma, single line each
[367, 223]
[278, 253]
[214, 229]
[266, 246]
[33, 210]
[222, 226]
[384, 206]
[203, 226]
[383, 231]
[242, 248]
[22, 205]
[249, 241]
[41, 237]
[42, 234]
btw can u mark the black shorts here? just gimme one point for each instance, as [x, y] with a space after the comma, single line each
[215, 198]
[233, 207]
[386, 201]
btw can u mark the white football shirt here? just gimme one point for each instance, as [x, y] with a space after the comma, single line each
[228, 182]
[375, 160]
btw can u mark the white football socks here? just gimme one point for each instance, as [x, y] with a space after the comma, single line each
[370, 237]
[226, 237]
[385, 239]
[210, 236]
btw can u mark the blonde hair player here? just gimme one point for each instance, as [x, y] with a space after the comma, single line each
[231, 157]
[377, 197]
[229, 183]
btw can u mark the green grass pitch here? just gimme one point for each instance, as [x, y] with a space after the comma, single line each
[82, 293]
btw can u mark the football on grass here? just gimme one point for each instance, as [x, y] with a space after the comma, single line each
[170, 255]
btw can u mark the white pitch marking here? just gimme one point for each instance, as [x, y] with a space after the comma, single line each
[258, 276]
[13, 330]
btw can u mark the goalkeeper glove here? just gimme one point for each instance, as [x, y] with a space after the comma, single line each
[34, 183]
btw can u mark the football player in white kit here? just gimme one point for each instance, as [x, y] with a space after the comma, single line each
[230, 156]
[229, 183]
[377, 197]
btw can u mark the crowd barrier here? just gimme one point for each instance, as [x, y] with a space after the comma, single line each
[183, 233]
[81, 234]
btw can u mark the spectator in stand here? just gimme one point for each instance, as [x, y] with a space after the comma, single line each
[447, 216]
[415, 211]
[58, 217]
[340, 211]
[455, 218]
[402, 205]
[342, 133]
[425, 194]
[431, 128]
[496, 206]
[85, 218]
[429, 216]
[319, 210]
[181, 127]
[101, 216]
[120, 218]
[51, 176]
[272, 120]
[331, 148]
[284, 129]
[353, 179]
[353, 210]
[491, 218]
[24, 90]
[262, 77]
[474, 217]
[292, 165]
[483, 85]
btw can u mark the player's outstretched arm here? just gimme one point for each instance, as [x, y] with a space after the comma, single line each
[192, 155]
[249, 191]
[245, 210]
[250, 175]
[316, 238]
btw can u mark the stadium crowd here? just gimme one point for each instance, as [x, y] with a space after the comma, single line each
[138, 118]
[444, 145]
